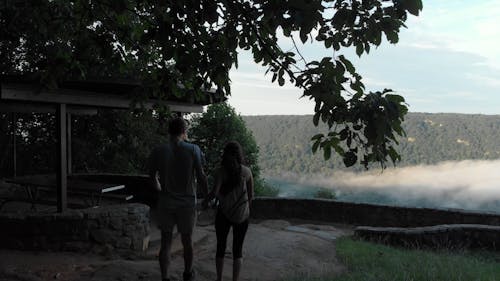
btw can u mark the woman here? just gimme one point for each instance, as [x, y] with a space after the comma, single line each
[234, 190]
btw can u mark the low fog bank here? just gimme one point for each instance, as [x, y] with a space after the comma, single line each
[471, 185]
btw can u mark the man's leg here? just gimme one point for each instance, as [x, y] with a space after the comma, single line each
[164, 257]
[187, 243]
[186, 220]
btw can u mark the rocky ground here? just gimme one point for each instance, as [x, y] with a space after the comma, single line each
[273, 250]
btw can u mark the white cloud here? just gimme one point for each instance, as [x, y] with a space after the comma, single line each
[374, 82]
[423, 45]
[466, 26]
[484, 79]
[465, 184]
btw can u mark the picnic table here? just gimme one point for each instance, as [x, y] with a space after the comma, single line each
[92, 190]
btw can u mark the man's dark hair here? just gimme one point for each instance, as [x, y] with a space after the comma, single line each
[176, 126]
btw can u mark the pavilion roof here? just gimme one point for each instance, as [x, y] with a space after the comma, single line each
[19, 91]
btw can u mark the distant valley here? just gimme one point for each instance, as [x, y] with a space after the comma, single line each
[285, 145]
[448, 161]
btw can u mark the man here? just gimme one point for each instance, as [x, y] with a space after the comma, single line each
[175, 169]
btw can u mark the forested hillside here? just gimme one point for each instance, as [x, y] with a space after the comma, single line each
[431, 138]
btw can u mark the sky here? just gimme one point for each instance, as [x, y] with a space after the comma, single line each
[445, 61]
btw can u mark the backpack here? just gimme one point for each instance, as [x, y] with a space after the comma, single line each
[234, 205]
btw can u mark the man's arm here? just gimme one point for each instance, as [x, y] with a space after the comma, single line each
[200, 173]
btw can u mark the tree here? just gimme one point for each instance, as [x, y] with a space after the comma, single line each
[116, 141]
[219, 125]
[196, 43]
[113, 141]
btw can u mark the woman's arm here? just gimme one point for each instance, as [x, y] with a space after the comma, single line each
[250, 188]
[217, 185]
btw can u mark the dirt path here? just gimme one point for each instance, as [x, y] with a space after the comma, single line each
[273, 250]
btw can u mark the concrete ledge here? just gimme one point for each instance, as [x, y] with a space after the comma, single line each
[364, 214]
[456, 236]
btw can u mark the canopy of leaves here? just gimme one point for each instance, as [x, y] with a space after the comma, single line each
[196, 43]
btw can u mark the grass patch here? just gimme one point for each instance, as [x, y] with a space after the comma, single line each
[368, 261]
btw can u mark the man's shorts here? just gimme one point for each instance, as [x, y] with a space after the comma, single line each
[184, 218]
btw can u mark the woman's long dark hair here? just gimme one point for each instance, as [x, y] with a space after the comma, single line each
[232, 158]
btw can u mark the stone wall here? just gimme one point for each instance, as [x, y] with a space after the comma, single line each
[364, 214]
[124, 226]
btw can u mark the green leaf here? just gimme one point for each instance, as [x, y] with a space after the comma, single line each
[394, 155]
[350, 159]
[392, 36]
[328, 42]
[338, 149]
[315, 146]
[348, 65]
[317, 136]
[281, 81]
[398, 129]
[413, 6]
[316, 119]
[344, 133]
[377, 39]
[327, 152]
[303, 35]
[359, 49]
[395, 98]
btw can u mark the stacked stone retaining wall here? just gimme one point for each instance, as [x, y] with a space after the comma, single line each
[124, 226]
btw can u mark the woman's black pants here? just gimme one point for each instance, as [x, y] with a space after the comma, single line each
[222, 226]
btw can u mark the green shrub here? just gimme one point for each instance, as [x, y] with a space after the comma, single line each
[263, 188]
[325, 193]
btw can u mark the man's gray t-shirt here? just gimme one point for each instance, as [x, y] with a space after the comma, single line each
[178, 165]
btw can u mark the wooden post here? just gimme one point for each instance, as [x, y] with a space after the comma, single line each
[70, 161]
[14, 143]
[62, 160]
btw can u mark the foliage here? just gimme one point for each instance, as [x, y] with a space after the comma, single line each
[35, 143]
[264, 188]
[6, 141]
[116, 141]
[111, 141]
[196, 42]
[325, 193]
[219, 125]
[431, 138]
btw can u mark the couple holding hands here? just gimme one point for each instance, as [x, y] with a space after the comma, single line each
[176, 169]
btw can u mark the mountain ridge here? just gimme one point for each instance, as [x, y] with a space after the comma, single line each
[431, 138]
